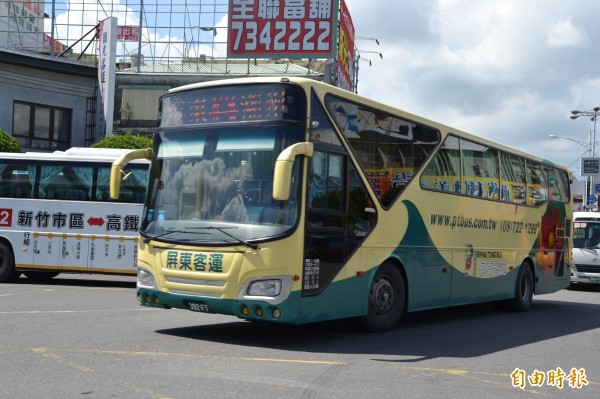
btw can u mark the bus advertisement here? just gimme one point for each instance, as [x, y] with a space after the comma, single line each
[289, 200]
[56, 214]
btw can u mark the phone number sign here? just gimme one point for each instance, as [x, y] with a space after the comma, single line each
[282, 28]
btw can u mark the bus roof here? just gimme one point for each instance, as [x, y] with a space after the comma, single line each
[72, 154]
[586, 216]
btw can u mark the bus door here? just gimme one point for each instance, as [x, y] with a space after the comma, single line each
[337, 218]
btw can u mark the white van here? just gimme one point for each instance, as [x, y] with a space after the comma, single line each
[586, 248]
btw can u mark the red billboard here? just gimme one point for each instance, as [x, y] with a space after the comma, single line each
[282, 28]
[128, 33]
[346, 54]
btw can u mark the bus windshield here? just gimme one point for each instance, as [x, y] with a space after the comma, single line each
[586, 234]
[212, 184]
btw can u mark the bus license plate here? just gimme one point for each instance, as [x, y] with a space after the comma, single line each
[595, 279]
[198, 307]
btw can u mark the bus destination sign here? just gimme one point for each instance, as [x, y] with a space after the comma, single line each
[256, 103]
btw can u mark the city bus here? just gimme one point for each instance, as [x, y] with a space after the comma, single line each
[289, 200]
[56, 214]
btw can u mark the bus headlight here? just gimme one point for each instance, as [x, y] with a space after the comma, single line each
[265, 288]
[145, 279]
[271, 289]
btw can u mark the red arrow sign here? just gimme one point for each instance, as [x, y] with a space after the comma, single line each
[95, 221]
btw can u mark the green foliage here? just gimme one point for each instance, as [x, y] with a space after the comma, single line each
[126, 111]
[8, 143]
[128, 141]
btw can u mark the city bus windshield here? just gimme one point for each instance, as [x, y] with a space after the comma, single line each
[211, 181]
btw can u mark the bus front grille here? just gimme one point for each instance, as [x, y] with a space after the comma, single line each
[194, 285]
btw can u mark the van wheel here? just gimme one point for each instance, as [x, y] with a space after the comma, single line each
[387, 296]
[524, 289]
[7, 264]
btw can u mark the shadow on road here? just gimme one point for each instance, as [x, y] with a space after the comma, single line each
[462, 332]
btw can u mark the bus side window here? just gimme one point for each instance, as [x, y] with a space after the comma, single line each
[443, 172]
[537, 187]
[51, 182]
[481, 173]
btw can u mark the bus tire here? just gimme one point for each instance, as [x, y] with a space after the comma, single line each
[524, 289]
[7, 264]
[386, 299]
[35, 275]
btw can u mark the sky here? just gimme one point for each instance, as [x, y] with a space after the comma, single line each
[507, 70]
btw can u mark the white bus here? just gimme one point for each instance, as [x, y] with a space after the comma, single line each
[56, 214]
[586, 248]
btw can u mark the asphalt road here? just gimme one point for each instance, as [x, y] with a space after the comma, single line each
[86, 337]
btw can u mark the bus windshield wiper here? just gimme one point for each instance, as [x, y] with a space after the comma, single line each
[166, 233]
[222, 230]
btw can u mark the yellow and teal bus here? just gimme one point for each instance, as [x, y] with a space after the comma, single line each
[289, 200]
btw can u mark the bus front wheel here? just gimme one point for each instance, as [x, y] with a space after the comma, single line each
[7, 264]
[524, 289]
[386, 299]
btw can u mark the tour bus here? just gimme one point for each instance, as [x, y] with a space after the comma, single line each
[56, 214]
[290, 200]
[586, 248]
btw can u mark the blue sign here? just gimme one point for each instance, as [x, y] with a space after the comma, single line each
[597, 188]
[592, 199]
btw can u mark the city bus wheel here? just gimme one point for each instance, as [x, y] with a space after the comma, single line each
[40, 276]
[386, 299]
[524, 289]
[7, 264]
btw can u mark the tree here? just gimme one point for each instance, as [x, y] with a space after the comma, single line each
[8, 143]
[128, 141]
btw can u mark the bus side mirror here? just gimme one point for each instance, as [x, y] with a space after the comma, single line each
[282, 176]
[116, 170]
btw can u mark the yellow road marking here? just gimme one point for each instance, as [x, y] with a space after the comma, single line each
[44, 352]
[251, 359]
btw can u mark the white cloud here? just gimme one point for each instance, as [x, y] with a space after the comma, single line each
[508, 70]
[564, 33]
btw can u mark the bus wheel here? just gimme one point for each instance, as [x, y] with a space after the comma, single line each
[524, 289]
[7, 264]
[40, 276]
[386, 299]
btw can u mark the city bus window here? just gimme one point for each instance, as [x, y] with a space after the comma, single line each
[389, 149]
[16, 180]
[480, 170]
[443, 172]
[537, 187]
[321, 130]
[518, 187]
[558, 184]
[325, 190]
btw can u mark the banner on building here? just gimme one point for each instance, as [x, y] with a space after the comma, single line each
[346, 53]
[282, 29]
[107, 59]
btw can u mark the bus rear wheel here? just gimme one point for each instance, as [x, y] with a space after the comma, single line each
[524, 289]
[7, 264]
[386, 299]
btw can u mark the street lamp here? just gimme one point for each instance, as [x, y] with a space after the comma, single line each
[593, 114]
[589, 146]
